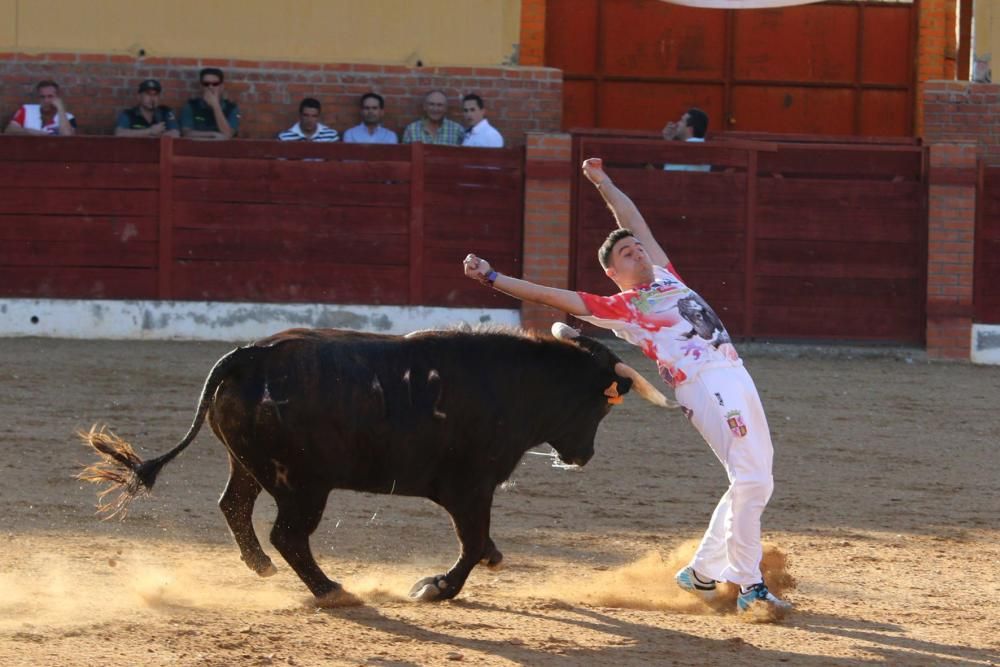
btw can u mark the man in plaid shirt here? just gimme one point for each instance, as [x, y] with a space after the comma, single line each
[434, 128]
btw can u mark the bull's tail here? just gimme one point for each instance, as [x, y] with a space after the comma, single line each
[122, 469]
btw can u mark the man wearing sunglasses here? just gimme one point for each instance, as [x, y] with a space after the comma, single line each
[210, 116]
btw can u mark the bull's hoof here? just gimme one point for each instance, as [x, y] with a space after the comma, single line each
[268, 570]
[338, 597]
[494, 561]
[430, 589]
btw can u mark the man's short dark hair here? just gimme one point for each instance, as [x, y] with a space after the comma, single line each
[214, 71]
[310, 103]
[374, 96]
[475, 98]
[604, 252]
[697, 121]
[46, 83]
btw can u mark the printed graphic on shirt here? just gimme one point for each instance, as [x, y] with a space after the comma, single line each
[668, 321]
[734, 420]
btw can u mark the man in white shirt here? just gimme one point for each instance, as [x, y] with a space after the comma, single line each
[47, 118]
[370, 130]
[478, 131]
[309, 128]
[691, 127]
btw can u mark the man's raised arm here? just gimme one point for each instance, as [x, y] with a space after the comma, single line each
[626, 214]
[560, 299]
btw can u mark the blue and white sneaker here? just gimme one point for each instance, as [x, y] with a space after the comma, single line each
[687, 579]
[758, 595]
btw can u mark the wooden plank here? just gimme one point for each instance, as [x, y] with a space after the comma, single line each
[54, 282]
[838, 324]
[78, 252]
[56, 150]
[840, 162]
[278, 217]
[288, 150]
[474, 177]
[451, 292]
[436, 156]
[839, 259]
[640, 152]
[78, 202]
[291, 282]
[77, 175]
[873, 294]
[814, 193]
[71, 228]
[260, 245]
[833, 224]
[165, 213]
[341, 194]
[418, 202]
[294, 171]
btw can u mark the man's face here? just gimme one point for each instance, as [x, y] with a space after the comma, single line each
[371, 112]
[47, 97]
[149, 99]
[308, 120]
[435, 106]
[471, 113]
[684, 130]
[211, 84]
[630, 265]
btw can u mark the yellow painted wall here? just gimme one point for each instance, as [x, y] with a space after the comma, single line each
[986, 16]
[398, 32]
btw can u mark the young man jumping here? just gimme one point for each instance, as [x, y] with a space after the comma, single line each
[675, 327]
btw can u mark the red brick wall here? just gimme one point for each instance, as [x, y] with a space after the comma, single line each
[951, 250]
[936, 48]
[546, 221]
[957, 111]
[96, 87]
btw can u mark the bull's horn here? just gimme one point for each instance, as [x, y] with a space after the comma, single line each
[563, 331]
[643, 387]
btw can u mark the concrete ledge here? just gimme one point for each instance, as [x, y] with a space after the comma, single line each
[202, 320]
[986, 344]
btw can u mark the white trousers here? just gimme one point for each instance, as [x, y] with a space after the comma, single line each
[724, 406]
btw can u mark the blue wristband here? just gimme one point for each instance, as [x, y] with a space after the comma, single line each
[491, 277]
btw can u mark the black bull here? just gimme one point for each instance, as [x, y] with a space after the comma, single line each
[445, 415]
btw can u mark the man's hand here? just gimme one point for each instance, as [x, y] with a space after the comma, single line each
[593, 169]
[672, 130]
[58, 104]
[157, 129]
[476, 268]
[211, 97]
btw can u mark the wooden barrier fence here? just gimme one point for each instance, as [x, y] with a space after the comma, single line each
[796, 240]
[986, 290]
[262, 221]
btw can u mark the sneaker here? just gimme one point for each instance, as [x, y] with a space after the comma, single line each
[689, 581]
[757, 594]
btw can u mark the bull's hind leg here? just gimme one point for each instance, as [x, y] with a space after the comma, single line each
[471, 517]
[298, 516]
[236, 504]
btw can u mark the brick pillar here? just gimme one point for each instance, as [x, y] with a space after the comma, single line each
[546, 221]
[532, 33]
[951, 250]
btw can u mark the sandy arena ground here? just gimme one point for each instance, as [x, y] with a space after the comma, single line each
[886, 508]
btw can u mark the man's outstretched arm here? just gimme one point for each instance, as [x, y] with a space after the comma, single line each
[560, 299]
[626, 214]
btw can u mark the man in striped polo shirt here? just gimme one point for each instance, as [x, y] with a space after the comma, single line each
[309, 128]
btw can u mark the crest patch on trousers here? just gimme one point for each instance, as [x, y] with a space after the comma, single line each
[734, 420]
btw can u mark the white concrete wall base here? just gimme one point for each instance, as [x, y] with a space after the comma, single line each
[986, 344]
[201, 320]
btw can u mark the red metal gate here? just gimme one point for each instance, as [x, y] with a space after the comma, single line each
[795, 241]
[830, 68]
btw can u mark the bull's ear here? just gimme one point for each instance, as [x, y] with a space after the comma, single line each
[643, 387]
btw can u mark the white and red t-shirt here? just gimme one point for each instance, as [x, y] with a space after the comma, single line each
[669, 322]
[29, 116]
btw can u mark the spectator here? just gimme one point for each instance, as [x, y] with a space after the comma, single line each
[48, 117]
[210, 116]
[149, 118]
[370, 130]
[691, 128]
[434, 128]
[309, 128]
[478, 131]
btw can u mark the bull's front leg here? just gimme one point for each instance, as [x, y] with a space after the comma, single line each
[471, 518]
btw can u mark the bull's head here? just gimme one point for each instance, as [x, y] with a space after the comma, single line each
[616, 378]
